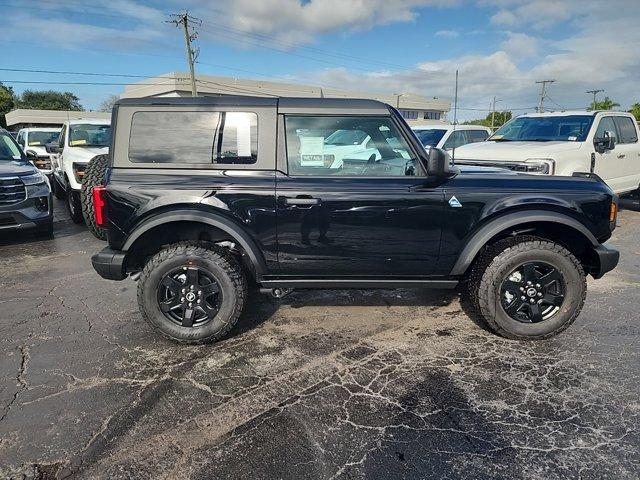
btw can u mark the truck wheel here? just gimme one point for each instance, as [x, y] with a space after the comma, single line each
[75, 209]
[527, 288]
[57, 189]
[192, 293]
[93, 176]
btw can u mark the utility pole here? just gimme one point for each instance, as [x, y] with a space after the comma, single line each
[543, 93]
[398, 95]
[594, 92]
[493, 114]
[183, 19]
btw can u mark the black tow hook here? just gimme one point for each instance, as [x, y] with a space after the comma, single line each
[277, 292]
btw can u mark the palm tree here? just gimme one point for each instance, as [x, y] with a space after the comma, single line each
[635, 110]
[606, 104]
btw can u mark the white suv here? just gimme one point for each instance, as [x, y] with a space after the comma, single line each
[33, 142]
[449, 137]
[562, 143]
[79, 141]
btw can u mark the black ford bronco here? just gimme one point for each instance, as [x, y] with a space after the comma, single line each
[203, 195]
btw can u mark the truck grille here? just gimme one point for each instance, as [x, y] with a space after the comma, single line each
[42, 163]
[12, 190]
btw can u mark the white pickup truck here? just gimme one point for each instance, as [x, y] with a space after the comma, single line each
[561, 143]
[79, 142]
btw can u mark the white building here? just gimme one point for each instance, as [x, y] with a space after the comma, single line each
[414, 108]
[22, 118]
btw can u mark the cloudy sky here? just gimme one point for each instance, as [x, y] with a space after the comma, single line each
[500, 47]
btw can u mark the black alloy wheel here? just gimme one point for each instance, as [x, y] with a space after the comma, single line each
[533, 292]
[189, 296]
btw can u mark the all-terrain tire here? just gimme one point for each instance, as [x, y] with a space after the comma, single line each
[494, 266]
[93, 176]
[219, 264]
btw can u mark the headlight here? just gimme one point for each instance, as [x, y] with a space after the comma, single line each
[540, 166]
[78, 171]
[35, 179]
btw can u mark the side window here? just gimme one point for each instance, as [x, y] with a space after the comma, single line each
[477, 136]
[194, 137]
[328, 146]
[627, 130]
[20, 139]
[606, 124]
[61, 138]
[457, 139]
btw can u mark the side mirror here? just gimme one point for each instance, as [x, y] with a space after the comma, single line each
[438, 163]
[52, 147]
[608, 142]
[31, 154]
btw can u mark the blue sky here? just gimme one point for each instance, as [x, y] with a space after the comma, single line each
[500, 47]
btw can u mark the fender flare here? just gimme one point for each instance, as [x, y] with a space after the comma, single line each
[488, 231]
[228, 226]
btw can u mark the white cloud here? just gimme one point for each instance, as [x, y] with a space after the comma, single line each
[599, 50]
[447, 33]
[520, 45]
[297, 21]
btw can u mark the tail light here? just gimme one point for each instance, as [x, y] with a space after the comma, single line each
[99, 194]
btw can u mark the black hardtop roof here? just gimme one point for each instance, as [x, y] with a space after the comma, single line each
[246, 101]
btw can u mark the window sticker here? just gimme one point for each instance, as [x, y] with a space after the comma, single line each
[312, 151]
[73, 143]
[572, 139]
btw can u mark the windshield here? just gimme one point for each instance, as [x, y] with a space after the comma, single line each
[430, 138]
[570, 128]
[87, 135]
[346, 137]
[37, 139]
[9, 149]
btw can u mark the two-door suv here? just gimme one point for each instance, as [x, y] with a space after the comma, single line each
[203, 195]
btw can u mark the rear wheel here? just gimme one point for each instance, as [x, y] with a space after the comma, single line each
[93, 176]
[528, 288]
[192, 293]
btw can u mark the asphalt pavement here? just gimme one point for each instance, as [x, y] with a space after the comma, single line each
[323, 384]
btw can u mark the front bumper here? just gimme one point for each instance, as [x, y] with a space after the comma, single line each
[34, 211]
[606, 260]
[109, 264]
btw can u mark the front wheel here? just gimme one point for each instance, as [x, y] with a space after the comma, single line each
[192, 293]
[528, 288]
[74, 206]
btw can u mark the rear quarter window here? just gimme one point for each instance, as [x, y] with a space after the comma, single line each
[206, 138]
[627, 130]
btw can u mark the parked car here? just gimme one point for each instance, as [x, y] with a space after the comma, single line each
[204, 193]
[25, 194]
[449, 137]
[79, 141]
[561, 143]
[34, 141]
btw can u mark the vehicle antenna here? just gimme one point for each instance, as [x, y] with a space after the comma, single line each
[455, 117]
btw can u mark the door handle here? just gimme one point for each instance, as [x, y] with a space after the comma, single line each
[621, 155]
[302, 201]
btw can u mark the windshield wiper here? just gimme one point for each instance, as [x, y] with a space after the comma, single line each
[537, 140]
[499, 140]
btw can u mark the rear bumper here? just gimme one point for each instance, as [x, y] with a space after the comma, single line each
[607, 259]
[109, 264]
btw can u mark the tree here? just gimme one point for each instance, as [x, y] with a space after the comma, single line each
[500, 119]
[7, 103]
[49, 100]
[107, 104]
[606, 104]
[635, 110]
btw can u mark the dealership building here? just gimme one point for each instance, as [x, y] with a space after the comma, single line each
[414, 108]
[23, 118]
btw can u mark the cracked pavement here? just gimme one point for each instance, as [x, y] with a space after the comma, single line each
[323, 384]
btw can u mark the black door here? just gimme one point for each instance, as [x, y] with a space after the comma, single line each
[357, 206]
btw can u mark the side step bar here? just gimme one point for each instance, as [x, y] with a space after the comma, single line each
[322, 283]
